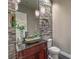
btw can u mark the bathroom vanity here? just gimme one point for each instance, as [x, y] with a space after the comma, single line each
[34, 51]
[32, 20]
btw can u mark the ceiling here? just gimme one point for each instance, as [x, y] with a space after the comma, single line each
[30, 3]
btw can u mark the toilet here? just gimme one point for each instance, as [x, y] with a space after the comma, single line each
[52, 50]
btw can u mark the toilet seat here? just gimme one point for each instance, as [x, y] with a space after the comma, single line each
[54, 50]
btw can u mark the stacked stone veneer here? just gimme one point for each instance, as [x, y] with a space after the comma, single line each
[12, 44]
[46, 20]
[11, 32]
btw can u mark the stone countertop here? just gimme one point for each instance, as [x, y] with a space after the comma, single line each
[21, 47]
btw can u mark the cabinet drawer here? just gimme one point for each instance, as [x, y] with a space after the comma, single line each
[41, 46]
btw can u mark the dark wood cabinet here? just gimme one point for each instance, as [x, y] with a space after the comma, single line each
[36, 51]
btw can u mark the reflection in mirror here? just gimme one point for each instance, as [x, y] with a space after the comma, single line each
[27, 19]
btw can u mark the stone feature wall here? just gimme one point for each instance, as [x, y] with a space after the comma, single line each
[11, 31]
[11, 41]
[45, 19]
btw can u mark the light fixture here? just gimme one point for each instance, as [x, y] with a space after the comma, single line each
[37, 13]
[18, 1]
[16, 6]
[46, 0]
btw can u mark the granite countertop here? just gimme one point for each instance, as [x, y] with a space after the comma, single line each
[21, 47]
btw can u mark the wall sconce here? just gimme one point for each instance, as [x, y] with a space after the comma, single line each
[16, 6]
[37, 13]
[18, 1]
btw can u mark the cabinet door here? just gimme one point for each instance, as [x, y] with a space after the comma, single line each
[36, 52]
[42, 54]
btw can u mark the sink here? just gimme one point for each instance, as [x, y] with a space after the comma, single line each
[32, 40]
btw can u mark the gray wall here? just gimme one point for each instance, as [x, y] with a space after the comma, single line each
[61, 19]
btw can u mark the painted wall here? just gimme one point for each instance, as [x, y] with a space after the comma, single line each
[61, 19]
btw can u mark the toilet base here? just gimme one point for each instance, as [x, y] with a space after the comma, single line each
[53, 57]
[54, 52]
[50, 57]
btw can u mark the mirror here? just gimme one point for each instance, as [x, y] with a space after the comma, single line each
[27, 19]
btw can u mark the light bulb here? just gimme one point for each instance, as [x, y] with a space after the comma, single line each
[37, 12]
[18, 1]
[46, 0]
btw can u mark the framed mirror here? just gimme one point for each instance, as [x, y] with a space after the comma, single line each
[27, 17]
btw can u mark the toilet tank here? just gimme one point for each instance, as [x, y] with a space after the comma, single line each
[49, 43]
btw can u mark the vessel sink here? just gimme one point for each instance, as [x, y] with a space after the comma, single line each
[32, 40]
